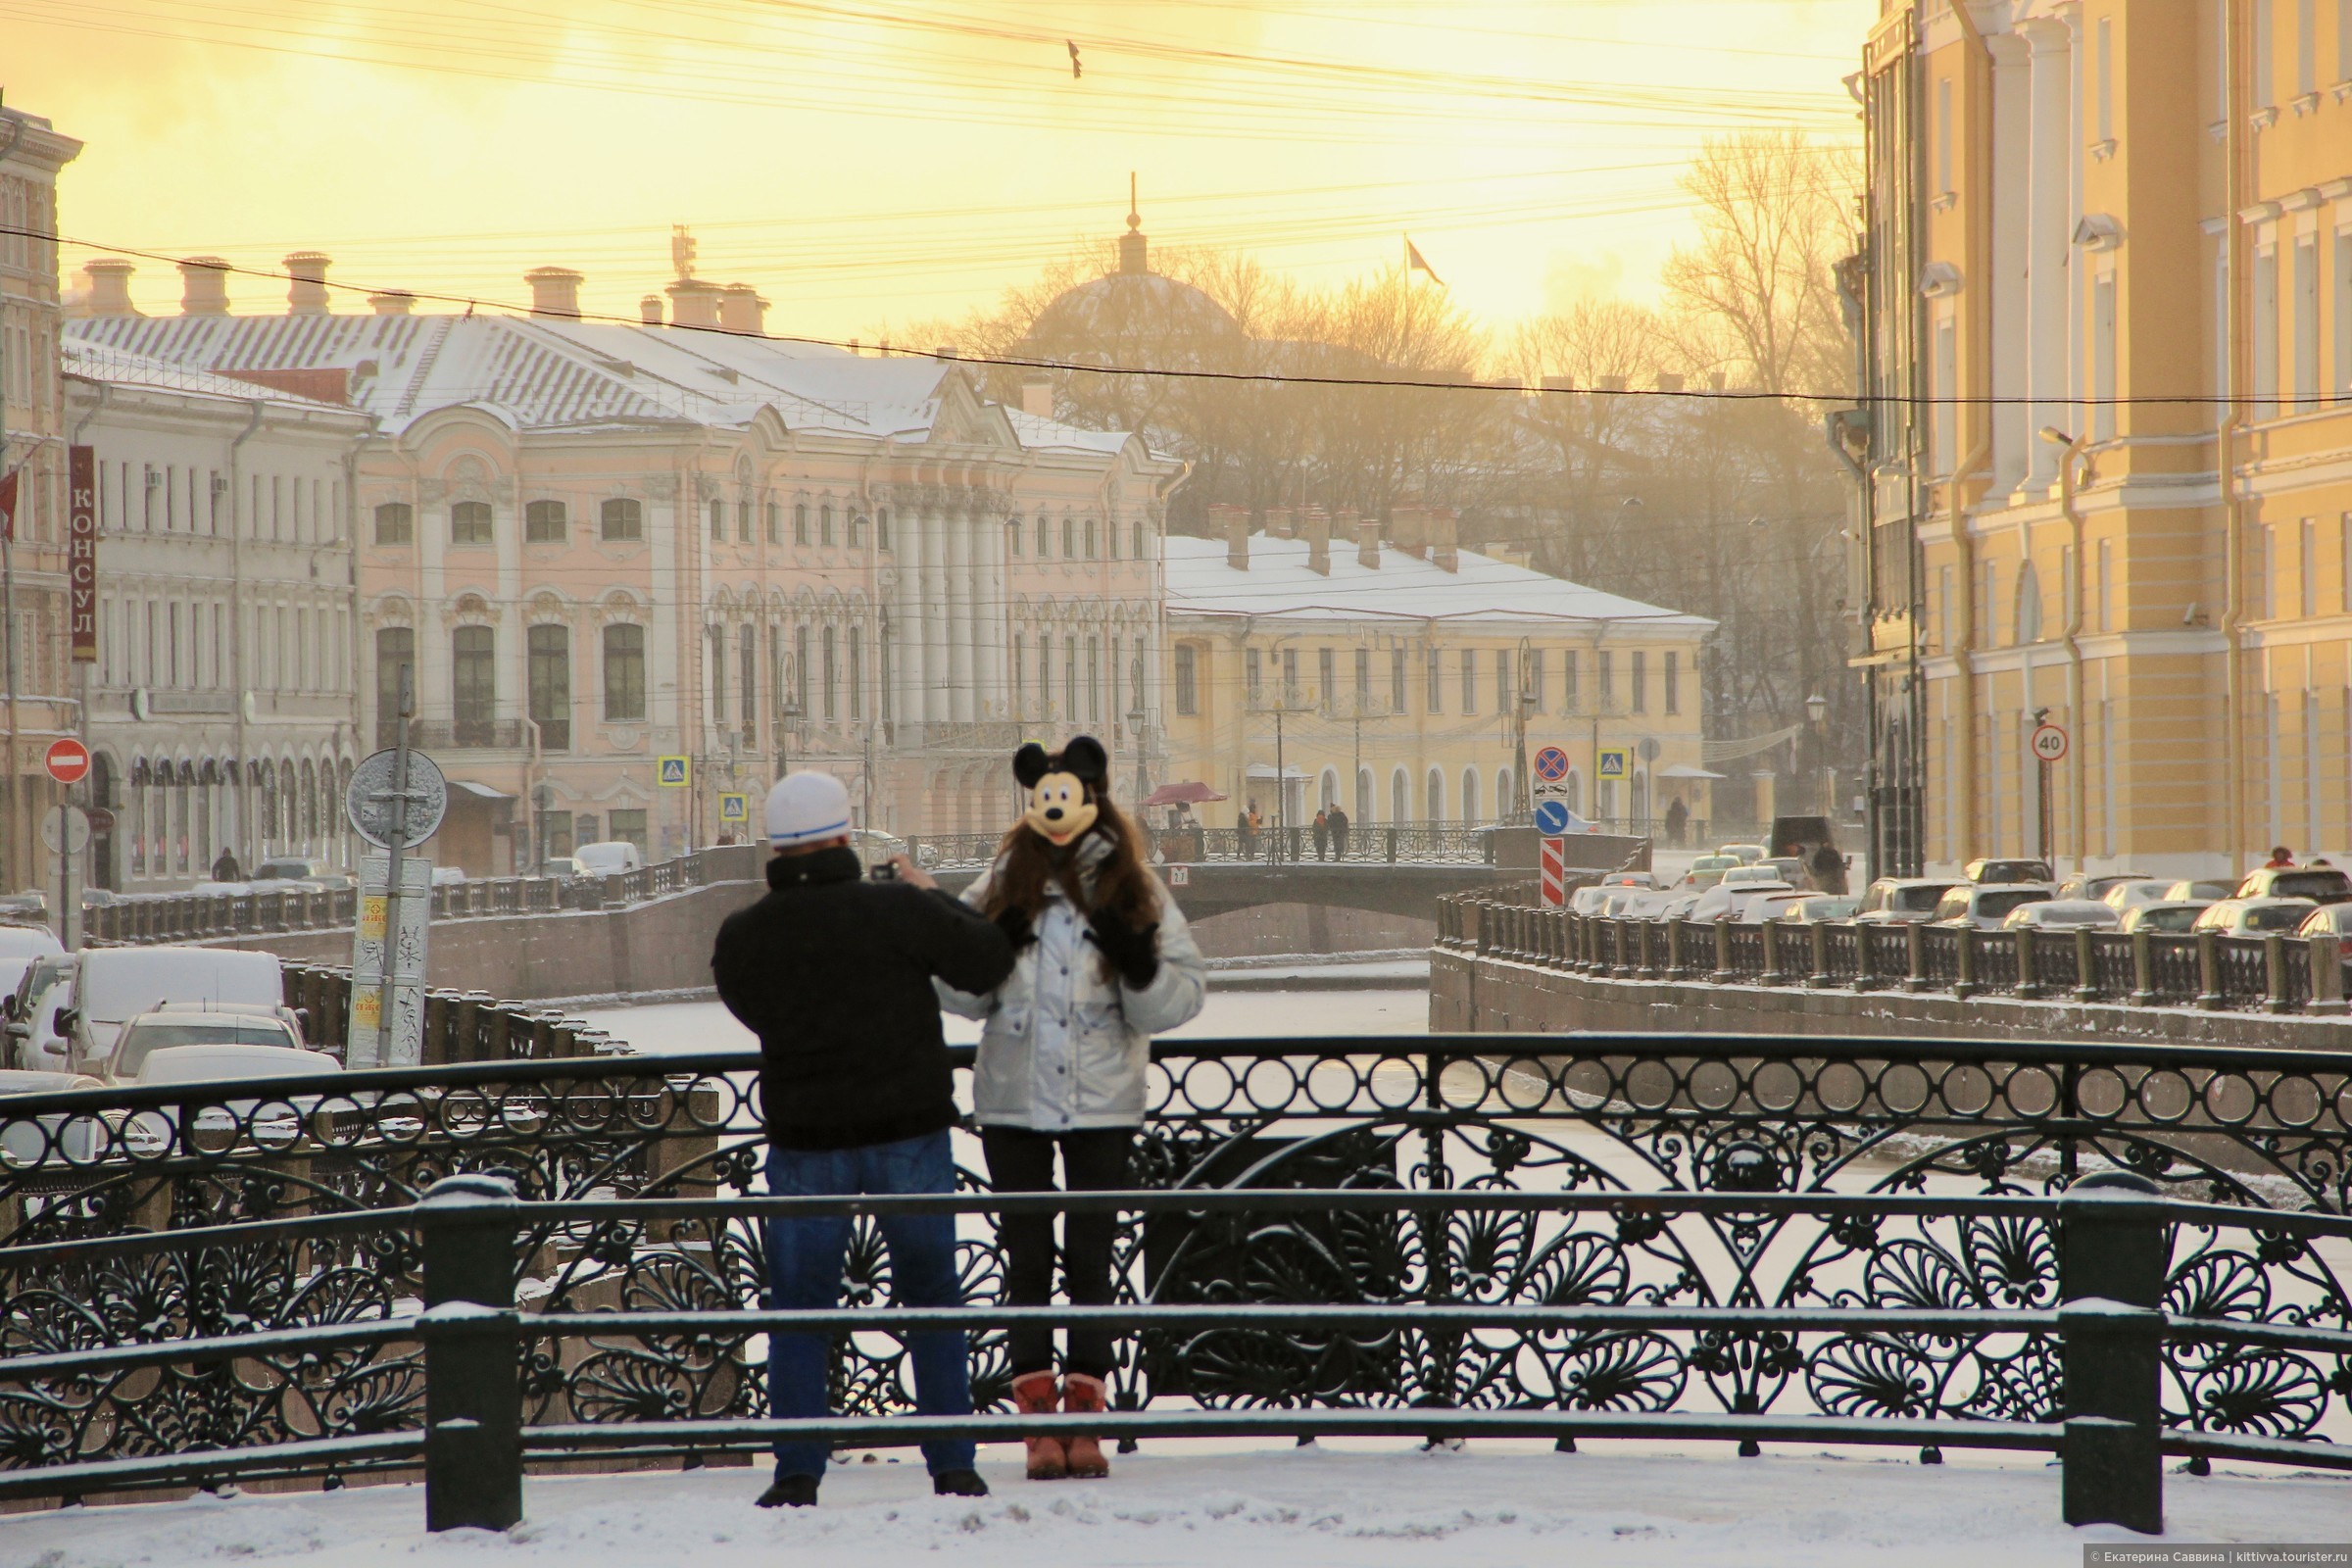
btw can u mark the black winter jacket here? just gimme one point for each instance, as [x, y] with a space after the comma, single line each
[833, 973]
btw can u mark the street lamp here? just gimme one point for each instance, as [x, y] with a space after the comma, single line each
[1134, 728]
[1816, 707]
[788, 714]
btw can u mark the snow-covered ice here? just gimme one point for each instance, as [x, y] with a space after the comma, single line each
[1497, 1506]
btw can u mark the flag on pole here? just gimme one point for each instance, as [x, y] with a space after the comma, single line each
[8, 503]
[1414, 260]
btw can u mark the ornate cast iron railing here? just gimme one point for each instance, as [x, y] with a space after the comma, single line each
[2271, 973]
[1489, 1174]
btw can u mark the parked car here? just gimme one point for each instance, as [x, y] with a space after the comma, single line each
[317, 873]
[2126, 897]
[2061, 914]
[19, 946]
[114, 985]
[1726, 900]
[1744, 853]
[210, 888]
[1757, 874]
[2327, 920]
[1817, 908]
[1678, 906]
[1589, 899]
[143, 1036]
[1902, 898]
[1793, 869]
[1986, 905]
[28, 908]
[2166, 915]
[2006, 873]
[2208, 892]
[2084, 886]
[564, 869]
[1707, 869]
[2252, 917]
[29, 1141]
[2320, 883]
[609, 856]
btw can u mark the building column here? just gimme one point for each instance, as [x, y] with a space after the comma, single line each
[2049, 236]
[2011, 171]
[934, 613]
[907, 665]
[962, 668]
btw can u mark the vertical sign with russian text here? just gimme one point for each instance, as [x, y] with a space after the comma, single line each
[81, 551]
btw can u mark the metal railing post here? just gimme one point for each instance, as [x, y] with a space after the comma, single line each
[2086, 966]
[2028, 976]
[2273, 973]
[2111, 1283]
[472, 1388]
[1723, 953]
[1915, 956]
[2143, 969]
[1820, 934]
[2327, 975]
[2209, 970]
[1772, 975]
[1964, 974]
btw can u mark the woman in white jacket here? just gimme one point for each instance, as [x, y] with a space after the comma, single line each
[1104, 962]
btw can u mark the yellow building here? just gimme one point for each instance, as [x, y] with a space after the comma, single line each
[1386, 677]
[2107, 282]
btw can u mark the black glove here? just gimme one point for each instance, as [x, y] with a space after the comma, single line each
[1013, 921]
[1133, 953]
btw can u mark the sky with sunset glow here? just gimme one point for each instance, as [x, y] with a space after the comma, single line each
[864, 162]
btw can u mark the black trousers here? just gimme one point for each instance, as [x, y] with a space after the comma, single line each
[1021, 1160]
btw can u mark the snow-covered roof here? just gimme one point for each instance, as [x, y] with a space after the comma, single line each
[96, 362]
[1278, 583]
[1051, 434]
[543, 373]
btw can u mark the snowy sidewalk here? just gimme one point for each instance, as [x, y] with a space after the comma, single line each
[1496, 1506]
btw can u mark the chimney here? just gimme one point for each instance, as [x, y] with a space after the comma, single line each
[1367, 540]
[693, 302]
[1037, 396]
[1609, 383]
[306, 295]
[1443, 523]
[1408, 530]
[1277, 523]
[204, 286]
[392, 302]
[742, 310]
[648, 309]
[1234, 523]
[555, 292]
[110, 285]
[1315, 524]
[1670, 381]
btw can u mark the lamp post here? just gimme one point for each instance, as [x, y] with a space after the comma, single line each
[1817, 707]
[1134, 728]
[788, 715]
[1525, 706]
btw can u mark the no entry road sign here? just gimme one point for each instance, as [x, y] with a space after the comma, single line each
[67, 761]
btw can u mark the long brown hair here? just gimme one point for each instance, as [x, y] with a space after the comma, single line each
[1026, 864]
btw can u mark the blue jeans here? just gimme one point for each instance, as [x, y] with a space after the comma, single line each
[804, 1266]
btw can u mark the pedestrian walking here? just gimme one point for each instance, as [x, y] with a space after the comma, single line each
[2281, 857]
[1246, 829]
[1678, 819]
[833, 972]
[225, 868]
[1322, 832]
[1104, 962]
[1339, 832]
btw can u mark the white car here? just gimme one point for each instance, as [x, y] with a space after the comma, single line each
[1726, 901]
[28, 1141]
[2253, 917]
[448, 876]
[609, 856]
[1986, 904]
[2056, 915]
[1904, 899]
[2165, 914]
[2137, 893]
[144, 1038]
[1817, 908]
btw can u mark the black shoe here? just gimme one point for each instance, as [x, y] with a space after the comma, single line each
[951, 1484]
[790, 1492]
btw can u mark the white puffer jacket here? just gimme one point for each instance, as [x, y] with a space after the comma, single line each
[1062, 1047]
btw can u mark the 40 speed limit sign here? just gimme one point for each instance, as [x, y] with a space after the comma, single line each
[2048, 742]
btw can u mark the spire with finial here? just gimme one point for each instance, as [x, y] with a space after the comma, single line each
[1133, 247]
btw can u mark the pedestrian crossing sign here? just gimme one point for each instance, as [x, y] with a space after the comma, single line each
[734, 808]
[1612, 761]
[670, 772]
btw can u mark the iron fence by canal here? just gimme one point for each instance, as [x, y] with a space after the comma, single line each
[1569, 1237]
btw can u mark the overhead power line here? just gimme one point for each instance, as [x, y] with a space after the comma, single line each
[1510, 386]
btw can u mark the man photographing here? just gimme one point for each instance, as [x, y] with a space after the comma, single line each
[833, 973]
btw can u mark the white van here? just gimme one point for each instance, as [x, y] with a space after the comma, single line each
[113, 984]
[609, 856]
[20, 946]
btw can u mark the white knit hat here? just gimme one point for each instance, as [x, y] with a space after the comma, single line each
[805, 808]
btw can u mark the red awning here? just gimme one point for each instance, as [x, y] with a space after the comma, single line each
[1184, 793]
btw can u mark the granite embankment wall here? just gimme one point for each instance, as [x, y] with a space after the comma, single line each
[1486, 992]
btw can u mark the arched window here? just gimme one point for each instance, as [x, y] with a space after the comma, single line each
[1400, 797]
[1640, 793]
[395, 647]
[622, 520]
[1045, 537]
[1363, 796]
[472, 685]
[1435, 793]
[546, 522]
[395, 524]
[1505, 801]
[469, 523]
[799, 522]
[2026, 623]
[550, 671]
[1012, 539]
[1575, 792]
[1070, 538]
[824, 523]
[1469, 795]
[1089, 539]
[1327, 788]
[1138, 552]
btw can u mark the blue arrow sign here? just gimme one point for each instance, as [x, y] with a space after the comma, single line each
[1551, 818]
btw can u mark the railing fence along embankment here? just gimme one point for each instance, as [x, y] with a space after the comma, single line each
[2273, 973]
[2107, 1254]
